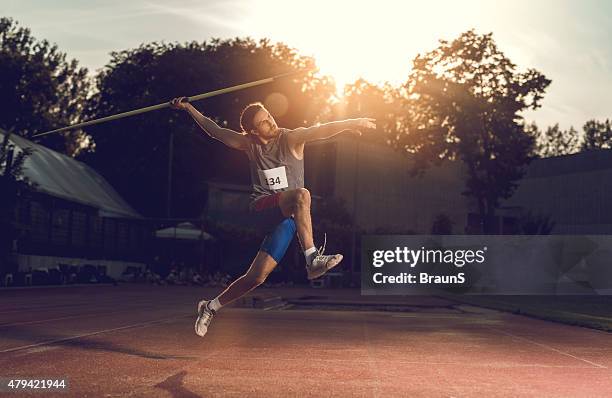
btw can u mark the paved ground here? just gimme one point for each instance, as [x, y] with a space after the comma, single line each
[138, 341]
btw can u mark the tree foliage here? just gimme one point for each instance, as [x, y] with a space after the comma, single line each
[464, 101]
[597, 135]
[40, 89]
[12, 160]
[382, 102]
[554, 141]
[136, 148]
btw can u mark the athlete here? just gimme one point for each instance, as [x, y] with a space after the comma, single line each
[279, 199]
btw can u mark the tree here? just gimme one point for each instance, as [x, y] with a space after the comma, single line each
[135, 149]
[597, 135]
[464, 102]
[553, 141]
[365, 99]
[40, 89]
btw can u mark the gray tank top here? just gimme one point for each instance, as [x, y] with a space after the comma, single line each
[273, 167]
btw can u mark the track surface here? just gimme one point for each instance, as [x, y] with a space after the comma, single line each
[138, 341]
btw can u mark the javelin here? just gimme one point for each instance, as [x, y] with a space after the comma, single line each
[167, 104]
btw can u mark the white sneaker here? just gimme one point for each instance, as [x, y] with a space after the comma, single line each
[205, 315]
[322, 263]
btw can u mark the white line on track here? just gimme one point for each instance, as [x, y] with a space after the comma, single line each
[76, 306]
[42, 308]
[86, 315]
[49, 342]
[549, 347]
[51, 307]
[5, 325]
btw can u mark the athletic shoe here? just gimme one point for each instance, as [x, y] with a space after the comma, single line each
[205, 315]
[322, 263]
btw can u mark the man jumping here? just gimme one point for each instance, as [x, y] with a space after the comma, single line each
[279, 199]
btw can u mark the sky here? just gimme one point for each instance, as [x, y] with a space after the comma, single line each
[569, 41]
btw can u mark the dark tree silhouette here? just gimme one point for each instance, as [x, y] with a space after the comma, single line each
[463, 102]
[132, 153]
[40, 89]
[384, 103]
[553, 141]
[597, 135]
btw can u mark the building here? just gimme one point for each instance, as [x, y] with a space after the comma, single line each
[74, 217]
[575, 191]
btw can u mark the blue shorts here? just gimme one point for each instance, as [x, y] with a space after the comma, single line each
[279, 229]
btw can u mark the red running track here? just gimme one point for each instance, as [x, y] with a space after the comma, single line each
[132, 341]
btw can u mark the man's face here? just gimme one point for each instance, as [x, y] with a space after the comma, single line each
[265, 125]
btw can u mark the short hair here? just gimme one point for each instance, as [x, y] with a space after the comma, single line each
[248, 114]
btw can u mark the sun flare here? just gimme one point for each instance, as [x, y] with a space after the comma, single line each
[357, 39]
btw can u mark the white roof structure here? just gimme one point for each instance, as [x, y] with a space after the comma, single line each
[64, 177]
[186, 231]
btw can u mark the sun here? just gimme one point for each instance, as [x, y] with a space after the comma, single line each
[358, 39]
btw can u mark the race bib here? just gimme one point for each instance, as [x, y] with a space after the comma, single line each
[275, 178]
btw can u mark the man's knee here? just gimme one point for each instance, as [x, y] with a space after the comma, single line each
[292, 200]
[302, 197]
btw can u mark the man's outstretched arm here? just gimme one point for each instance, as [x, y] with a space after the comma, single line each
[303, 135]
[229, 137]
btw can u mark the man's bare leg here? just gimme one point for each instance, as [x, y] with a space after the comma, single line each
[296, 203]
[257, 273]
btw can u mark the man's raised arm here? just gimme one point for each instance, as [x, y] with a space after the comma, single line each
[229, 137]
[303, 135]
